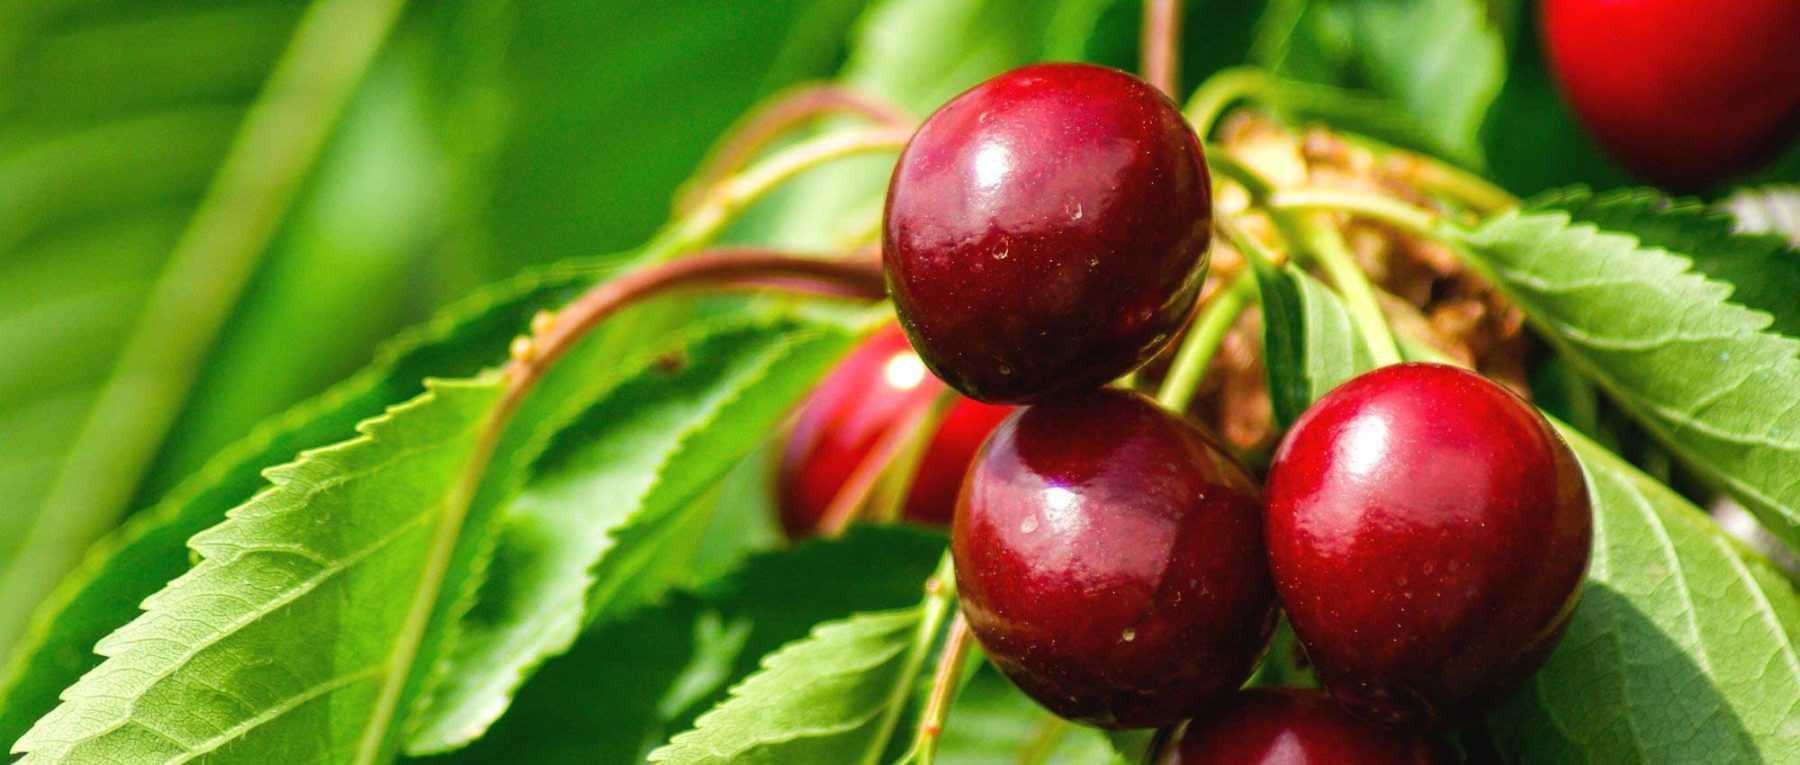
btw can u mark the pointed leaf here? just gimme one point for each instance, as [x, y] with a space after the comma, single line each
[1763, 270]
[1702, 373]
[821, 699]
[636, 460]
[301, 631]
[631, 682]
[134, 563]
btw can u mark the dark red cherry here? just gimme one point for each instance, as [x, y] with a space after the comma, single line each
[1269, 726]
[1684, 93]
[1109, 558]
[1046, 231]
[842, 421]
[1428, 532]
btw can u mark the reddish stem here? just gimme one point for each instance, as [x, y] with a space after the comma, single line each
[780, 114]
[943, 685]
[719, 266]
[1161, 47]
[862, 481]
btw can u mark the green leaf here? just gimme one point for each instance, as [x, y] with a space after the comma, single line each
[631, 682]
[1703, 374]
[1442, 61]
[1683, 649]
[104, 593]
[1533, 140]
[638, 459]
[1309, 342]
[1763, 270]
[121, 266]
[993, 723]
[821, 699]
[304, 630]
[1768, 210]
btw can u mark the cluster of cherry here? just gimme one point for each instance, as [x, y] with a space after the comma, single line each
[1424, 529]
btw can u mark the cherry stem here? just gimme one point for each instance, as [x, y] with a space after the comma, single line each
[1411, 219]
[891, 493]
[1161, 46]
[1203, 340]
[944, 682]
[914, 422]
[721, 203]
[1220, 91]
[940, 594]
[727, 265]
[1043, 743]
[775, 118]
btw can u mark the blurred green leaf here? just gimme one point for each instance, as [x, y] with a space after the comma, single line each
[1707, 376]
[587, 526]
[1532, 139]
[140, 184]
[1443, 61]
[573, 122]
[993, 723]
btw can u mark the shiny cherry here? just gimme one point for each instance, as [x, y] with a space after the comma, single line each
[1046, 231]
[1428, 532]
[1684, 93]
[1269, 726]
[1109, 558]
[843, 420]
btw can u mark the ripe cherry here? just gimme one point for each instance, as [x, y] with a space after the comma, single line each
[1428, 532]
[1109, 559]
[844, 419]
[1684, 93]
[1268, 726]
[1046, 231]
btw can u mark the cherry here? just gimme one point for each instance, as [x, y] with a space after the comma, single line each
[1684, 93]
[1109, 559]
[1046, 231]
[1428, 533]
[1268, 726]
[842, 421]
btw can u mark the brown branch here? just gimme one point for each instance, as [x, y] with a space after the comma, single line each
[785, 111]
[719, 266]
[1161, 46]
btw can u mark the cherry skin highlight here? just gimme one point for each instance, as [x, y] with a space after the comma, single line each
[844, 418]
[1269, 726]
[1109, 559]
[1428, 532]
[1685, 94]
[1046, 231]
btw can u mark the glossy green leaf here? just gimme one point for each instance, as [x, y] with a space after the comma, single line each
[822, 699]
[1705, 375]
[104, 593]
[1762, 269]
[1682, 648]
[631, 682]
[308, 624]
[1310, 344]
[609, 506]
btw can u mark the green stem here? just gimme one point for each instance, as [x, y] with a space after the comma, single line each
[1044, 742]
[940, 592]
[1432, 174]
[958, 647]
[1221, 163]
[1413, 220]
[1203, 341]
[1318, 237]
[1220, 91]
[724, 201]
